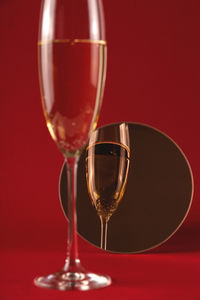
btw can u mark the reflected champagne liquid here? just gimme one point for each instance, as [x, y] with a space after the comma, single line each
[106, 173]
[72, 75]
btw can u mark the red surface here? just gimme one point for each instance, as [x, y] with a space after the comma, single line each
[153, 77]
[170, 272]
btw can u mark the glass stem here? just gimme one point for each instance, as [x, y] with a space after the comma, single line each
[72, 261]
[104, 230]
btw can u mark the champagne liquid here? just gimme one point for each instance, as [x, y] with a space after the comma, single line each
[72, 75]
[106, 172]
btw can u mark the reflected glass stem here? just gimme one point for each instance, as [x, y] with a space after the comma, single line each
[104, 231]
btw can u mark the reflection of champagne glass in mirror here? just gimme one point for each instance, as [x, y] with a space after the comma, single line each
[107, 164]
[72, 59]
[158, 193]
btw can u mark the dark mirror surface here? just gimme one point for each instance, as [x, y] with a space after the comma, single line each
[156, 201]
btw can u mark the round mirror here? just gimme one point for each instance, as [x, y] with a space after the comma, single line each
[156, 197]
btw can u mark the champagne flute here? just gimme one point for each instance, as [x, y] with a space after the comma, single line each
[107, 165]
[72, 64]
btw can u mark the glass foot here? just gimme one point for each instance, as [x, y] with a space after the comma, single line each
[82, 281]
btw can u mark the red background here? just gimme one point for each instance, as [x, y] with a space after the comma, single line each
[154, 78]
